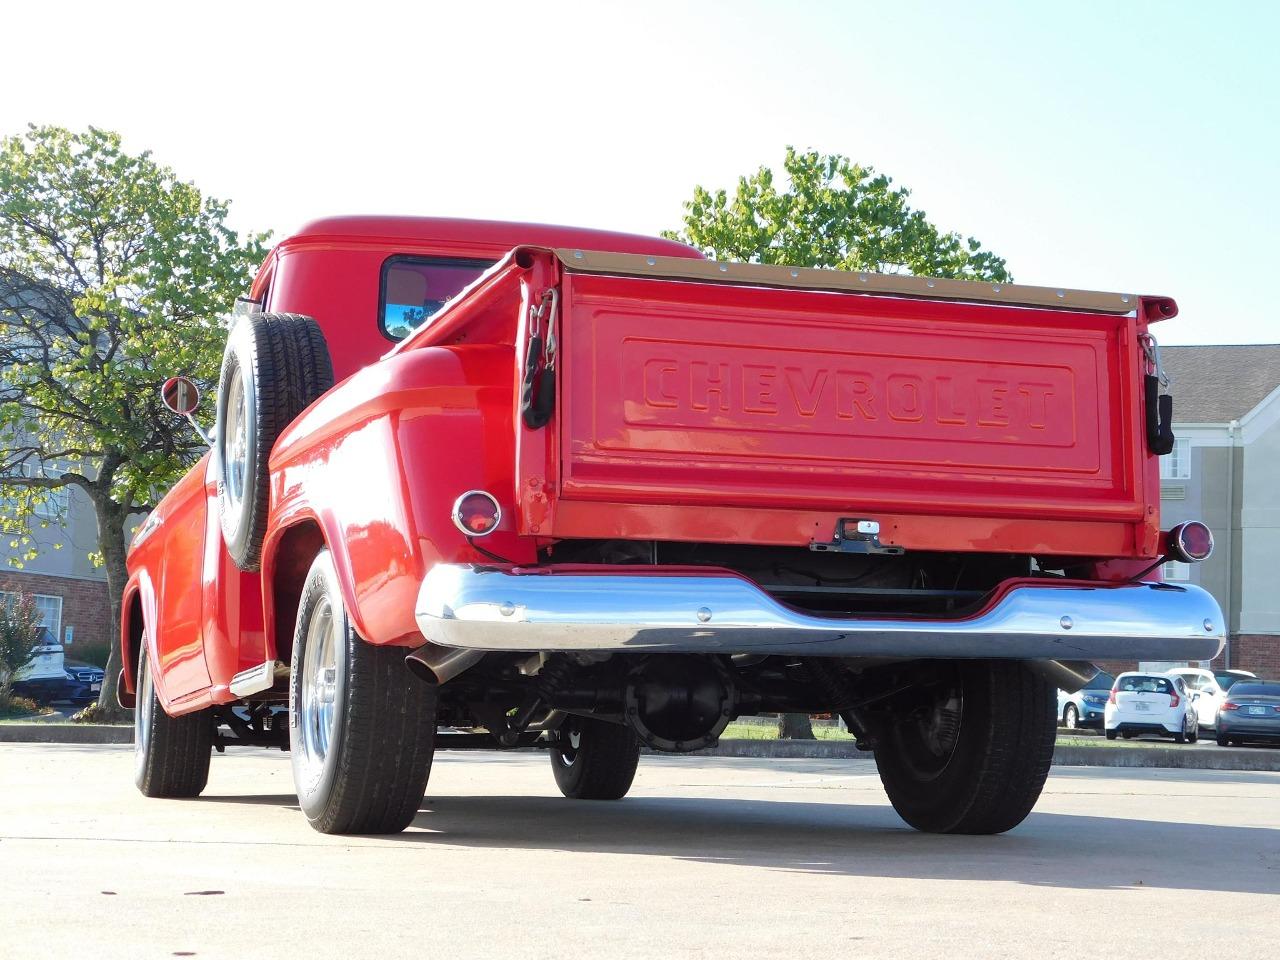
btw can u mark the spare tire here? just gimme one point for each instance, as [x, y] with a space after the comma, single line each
[274, 366]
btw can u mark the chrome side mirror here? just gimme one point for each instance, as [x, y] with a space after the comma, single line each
[182, 396]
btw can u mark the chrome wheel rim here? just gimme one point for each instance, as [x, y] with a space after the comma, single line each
[235, 445]
[143, 707]
[318, 687]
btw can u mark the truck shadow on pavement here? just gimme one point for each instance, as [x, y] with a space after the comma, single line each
[1048, 849]
[1067, 851]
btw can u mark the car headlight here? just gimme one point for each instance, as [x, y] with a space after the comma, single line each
[1095, 701]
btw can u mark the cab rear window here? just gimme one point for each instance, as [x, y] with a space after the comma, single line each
[1144, 685]
[416, 288]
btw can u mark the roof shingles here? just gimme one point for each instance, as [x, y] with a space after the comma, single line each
[1218, 383]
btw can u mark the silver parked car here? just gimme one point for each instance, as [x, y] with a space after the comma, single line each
[1251, 712]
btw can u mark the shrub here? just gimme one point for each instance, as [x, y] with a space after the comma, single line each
[19, 629]
[97, 713]
[11, 707]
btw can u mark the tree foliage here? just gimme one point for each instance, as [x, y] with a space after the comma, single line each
[831, 213]
[113, 276]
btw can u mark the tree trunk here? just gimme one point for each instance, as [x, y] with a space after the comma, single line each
[794, 726]
[111, 519]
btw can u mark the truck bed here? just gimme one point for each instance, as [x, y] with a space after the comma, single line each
[926, 414]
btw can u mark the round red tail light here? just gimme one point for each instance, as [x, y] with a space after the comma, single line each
[1191, 542]
[476, 513]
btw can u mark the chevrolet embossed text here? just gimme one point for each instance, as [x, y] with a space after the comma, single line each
[707, 385]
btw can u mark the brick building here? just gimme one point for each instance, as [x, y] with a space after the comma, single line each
[71, 594]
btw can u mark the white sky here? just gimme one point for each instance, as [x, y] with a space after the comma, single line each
[1115, 146]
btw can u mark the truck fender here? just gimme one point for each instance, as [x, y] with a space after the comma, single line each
[137, 619]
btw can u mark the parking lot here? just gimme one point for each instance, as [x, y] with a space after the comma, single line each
[707, 857]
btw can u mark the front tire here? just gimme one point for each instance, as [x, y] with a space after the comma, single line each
[171, 754]
[594, 760]
[973, 754]
[361, 727]
[1071, 717]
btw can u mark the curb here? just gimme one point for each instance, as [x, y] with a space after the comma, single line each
[794, 749]
[64, 733]
[1208, 758]
[1064, 755]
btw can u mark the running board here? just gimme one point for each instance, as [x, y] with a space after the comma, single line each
[259, 678]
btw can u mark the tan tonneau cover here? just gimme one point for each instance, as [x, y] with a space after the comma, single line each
[807, 278]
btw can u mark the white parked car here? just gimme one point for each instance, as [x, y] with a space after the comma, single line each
[1212, 688]
[1151, 703]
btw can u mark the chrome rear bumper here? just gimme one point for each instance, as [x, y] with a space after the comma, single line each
[640, 611]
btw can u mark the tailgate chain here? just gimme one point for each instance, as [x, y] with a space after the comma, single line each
[538, 392]
[1159, 406]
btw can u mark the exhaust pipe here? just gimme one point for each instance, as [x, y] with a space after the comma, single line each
[1068, 675]
[438, 665]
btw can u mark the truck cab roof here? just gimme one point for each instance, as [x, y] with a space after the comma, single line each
[492, 236]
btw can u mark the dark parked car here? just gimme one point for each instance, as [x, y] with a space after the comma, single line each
[84, 682]
[1250, 712]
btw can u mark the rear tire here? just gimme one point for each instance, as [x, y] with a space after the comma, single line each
[594, 760]
[1111, 734]
[362, 728]
[1223, 741]
[973, 755]
[171, 754]
[274, 366]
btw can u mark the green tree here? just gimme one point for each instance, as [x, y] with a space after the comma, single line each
[19, 628]
[831, 213]
[113, 276]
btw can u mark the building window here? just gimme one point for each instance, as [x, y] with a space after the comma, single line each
[1175, 571]
[50, 610]
[53, 506]
[1177, 464]
[49, 505]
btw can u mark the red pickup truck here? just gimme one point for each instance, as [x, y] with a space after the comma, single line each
[511, 485]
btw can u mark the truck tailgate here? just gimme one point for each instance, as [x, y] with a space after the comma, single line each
[690, 393]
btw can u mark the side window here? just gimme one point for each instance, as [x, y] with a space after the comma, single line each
[415, 288]
[49, 609]
[1177, 465]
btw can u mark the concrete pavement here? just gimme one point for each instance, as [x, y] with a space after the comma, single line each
[709, 857]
